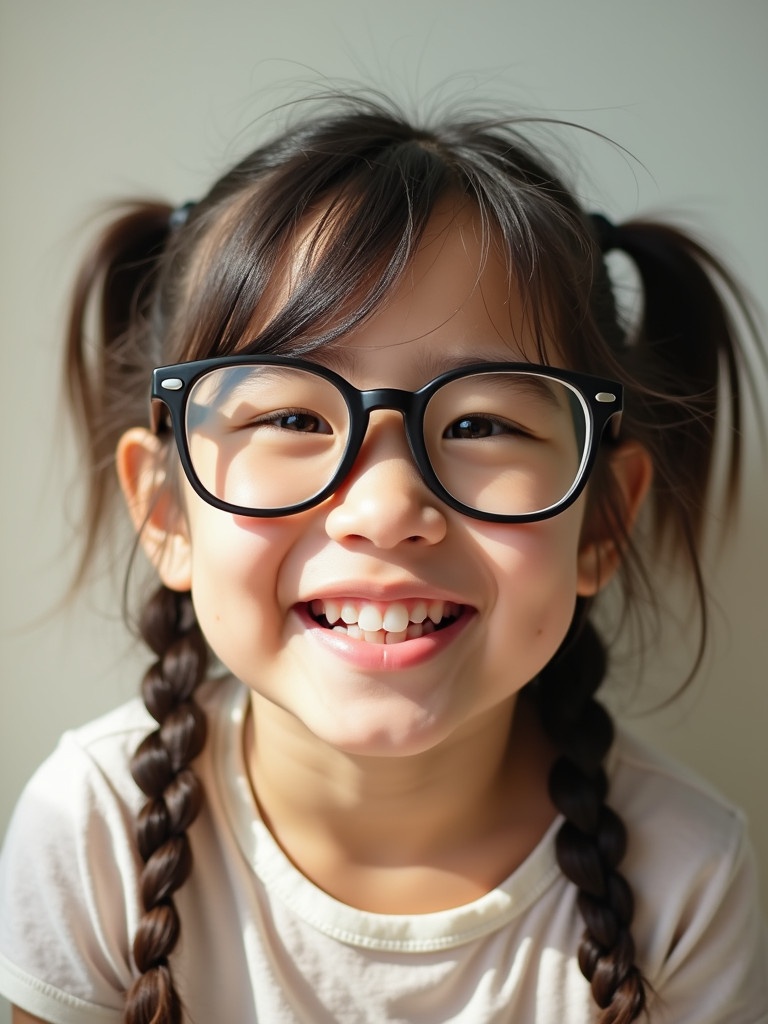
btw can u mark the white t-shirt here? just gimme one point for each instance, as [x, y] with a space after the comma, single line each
[260, 943]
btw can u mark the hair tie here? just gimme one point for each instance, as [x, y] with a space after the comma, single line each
[179, 217]
[607, 233]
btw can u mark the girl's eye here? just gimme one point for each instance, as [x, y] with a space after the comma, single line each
[303, 422]
[470, 428]
[299, 421]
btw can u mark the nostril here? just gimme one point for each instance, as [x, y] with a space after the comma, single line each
[386, 512]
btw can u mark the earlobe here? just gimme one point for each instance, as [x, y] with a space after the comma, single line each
[598, 561]
[630, 470]
[154, 507]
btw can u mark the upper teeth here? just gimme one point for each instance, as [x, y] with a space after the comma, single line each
[393, 618]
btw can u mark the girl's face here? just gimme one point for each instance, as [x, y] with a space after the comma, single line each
[384, 550]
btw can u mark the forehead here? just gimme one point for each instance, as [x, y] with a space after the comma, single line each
[454, 297]
[457, 303]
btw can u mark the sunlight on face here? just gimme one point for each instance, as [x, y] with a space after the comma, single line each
[261, 586]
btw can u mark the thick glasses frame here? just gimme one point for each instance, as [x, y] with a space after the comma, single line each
[602, 399]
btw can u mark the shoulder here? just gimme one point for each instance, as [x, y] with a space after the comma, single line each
[70, 870]
[68, 873]
[86, 777]
[685, 840]
[93, 760]
[698, 923]
[665, 798]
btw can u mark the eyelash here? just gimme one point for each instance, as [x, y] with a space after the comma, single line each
[507, 427]
[274, 419]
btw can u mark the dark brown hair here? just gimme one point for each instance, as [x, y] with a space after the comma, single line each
[370, 180]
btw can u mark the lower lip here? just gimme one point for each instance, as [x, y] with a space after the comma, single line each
[384, 657]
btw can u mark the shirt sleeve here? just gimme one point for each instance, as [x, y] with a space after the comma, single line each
[698, 925]
[68, 885]
[716, 968]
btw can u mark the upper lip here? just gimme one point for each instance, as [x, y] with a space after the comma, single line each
[381, 594]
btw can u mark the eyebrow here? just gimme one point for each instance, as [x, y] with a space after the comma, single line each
[197, 412]
[430, 363]
[532, 384]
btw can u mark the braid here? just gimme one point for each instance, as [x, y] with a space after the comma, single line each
[591, 843]
[161, 769]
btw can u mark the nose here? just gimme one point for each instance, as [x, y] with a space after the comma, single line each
[384, 500]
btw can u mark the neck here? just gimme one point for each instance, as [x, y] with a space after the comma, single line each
[467, 812]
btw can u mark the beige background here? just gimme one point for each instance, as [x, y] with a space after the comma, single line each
[99, 98]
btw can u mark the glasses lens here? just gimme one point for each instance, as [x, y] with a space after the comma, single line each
[510, 443]
[265, 437]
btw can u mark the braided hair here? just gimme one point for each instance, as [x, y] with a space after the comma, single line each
[592, 840]
[185, 287]
[161, 769]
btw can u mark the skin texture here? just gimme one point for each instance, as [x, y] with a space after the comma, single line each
[416, 780]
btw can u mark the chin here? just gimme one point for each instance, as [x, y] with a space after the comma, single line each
[382, 736]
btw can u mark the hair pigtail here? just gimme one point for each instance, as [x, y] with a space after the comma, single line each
[106, 342]
[161, 767]
[685, 363]
[591, 842]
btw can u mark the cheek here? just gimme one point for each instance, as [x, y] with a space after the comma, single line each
[236, 564]
[535, 570]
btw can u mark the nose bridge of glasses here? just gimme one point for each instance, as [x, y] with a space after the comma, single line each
[407, 403]
[389, 398]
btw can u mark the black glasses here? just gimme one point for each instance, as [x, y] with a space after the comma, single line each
[273, 435]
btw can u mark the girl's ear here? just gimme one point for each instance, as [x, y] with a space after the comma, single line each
[154, 507]
[631, 471]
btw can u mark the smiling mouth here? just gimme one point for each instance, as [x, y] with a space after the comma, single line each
[385, 623]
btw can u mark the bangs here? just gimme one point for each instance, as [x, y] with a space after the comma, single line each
[305, 246]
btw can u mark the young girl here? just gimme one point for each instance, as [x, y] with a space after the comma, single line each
[396, 445]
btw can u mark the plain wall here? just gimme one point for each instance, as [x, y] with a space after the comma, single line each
[101, 98]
